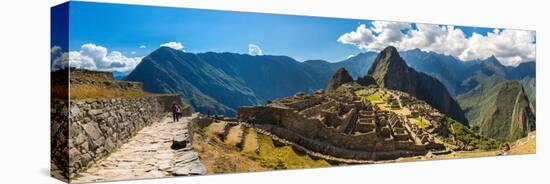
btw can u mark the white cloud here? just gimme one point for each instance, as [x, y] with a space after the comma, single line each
[254, 50]
[133, 52]
[55, 50]
[511, 47]
[174, 45]
[95, 57]
[59, 59]
[142, 46]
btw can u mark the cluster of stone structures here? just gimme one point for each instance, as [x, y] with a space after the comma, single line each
[420, 109]
[341, 125]
[83, 131]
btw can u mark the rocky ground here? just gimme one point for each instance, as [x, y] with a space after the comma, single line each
[149, 154]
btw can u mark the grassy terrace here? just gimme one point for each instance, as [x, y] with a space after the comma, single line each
[380, 100]
[257, 152]
[374, 98]
[420, 122]
[284, 157]
[78, 92]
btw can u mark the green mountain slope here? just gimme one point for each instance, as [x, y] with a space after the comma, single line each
[499, 108]
[206, 88]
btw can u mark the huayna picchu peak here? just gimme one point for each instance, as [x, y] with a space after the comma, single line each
[390, 71]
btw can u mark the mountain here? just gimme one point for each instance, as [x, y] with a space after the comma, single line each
[340, 77]
[501, 111]
[357, 65]
[525, 73]
[449, 70]
[366, 80]
[390, 71]
[204, 86]
[221, 82]
[488, 73]
[461, 77]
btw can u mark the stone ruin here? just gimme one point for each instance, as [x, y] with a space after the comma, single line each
[101, 79]
[341, 125]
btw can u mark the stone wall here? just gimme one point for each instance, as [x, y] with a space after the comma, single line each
[98, 126]
[59, 144]
[340, 152]
[314, 129]
[309, 128]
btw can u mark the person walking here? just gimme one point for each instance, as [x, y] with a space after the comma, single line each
[179, 112]
[175, 117]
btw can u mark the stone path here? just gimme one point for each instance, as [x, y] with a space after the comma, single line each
[148, 155]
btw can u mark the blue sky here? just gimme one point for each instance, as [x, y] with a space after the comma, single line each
[124, 28]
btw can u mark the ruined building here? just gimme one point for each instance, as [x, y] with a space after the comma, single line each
[341, 125]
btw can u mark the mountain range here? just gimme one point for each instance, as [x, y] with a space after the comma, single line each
[219, 83]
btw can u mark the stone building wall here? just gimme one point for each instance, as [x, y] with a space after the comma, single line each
[100, 125]
[340, 152]
[315, 129]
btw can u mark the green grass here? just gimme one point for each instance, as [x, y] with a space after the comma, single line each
[471, 139]
[283, 157]
[420, 122]
[374, 98]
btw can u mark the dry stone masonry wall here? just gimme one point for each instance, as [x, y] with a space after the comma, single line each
[99, 126]
[59, 133]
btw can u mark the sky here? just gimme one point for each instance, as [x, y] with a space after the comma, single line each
[115, 37]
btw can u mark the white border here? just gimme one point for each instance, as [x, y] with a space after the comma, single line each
[24, 98]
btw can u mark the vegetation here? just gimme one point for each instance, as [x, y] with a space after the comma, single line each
[219, 157]
[256, 153]
[344, 88]
[499, 109]
[93, 92]
[420, 122]
[374, 98]
[283, 157]
[470, 139]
